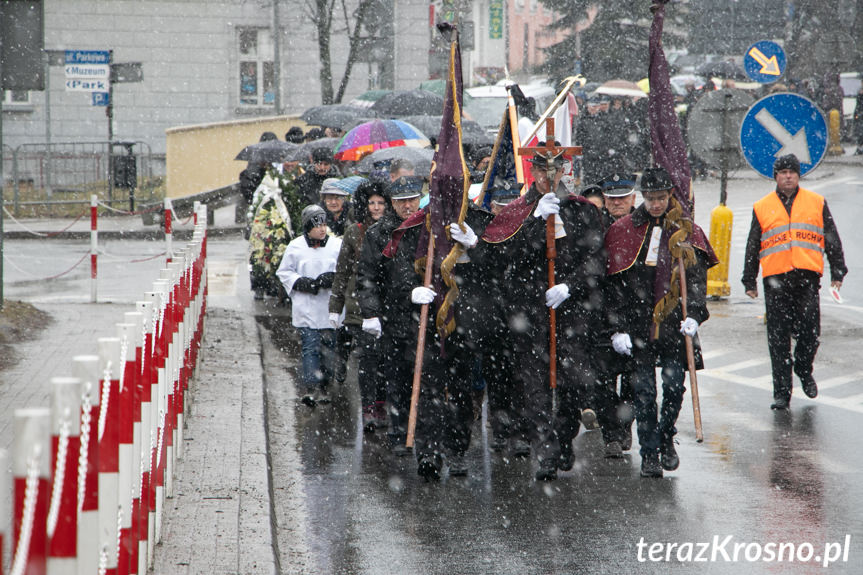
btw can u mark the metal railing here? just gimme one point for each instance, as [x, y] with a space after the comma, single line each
[69, 172]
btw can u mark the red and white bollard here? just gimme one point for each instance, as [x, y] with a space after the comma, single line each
[110, 367]
[159, 297]
[135, 379]
[30, 470]
[65, 451]
[148, 438]
[86, 369]
[169, 229]
[94, 244]
[5, 488]
[128, 334]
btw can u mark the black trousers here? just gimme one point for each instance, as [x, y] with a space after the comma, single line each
[396, 369]
[793, 310]
[546, 430]
[614, 410]
[445, 410]
[369, 378]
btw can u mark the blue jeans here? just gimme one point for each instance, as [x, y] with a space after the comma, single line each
[317, 354]
[653, 428]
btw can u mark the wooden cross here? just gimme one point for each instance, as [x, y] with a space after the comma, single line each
[549, 151]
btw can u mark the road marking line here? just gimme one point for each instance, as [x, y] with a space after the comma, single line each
[840, 380]
[742, 365]
[714, 353]
[853, 403]
[830, 183]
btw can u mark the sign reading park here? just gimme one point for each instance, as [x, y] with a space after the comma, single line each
[782, 124]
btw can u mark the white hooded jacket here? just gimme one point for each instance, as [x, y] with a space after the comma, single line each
[300, 260]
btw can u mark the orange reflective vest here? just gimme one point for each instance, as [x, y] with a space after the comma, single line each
[795, 241]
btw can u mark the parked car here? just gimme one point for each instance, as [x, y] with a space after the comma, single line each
[850, 82]
[488, 102]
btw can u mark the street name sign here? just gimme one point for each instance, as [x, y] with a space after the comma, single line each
[87, 70]
[782, 124]
[764, 61]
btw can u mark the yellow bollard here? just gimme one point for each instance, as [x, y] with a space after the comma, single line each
[721, 219]
[835, 148]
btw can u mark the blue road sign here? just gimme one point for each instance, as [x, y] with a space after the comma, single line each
[88, 57]
[782, 124]
[764, 61]
[101, 98]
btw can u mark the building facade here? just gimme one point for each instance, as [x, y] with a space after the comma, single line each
[202, 61]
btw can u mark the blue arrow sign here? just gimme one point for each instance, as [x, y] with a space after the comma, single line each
[764, 61]
[782, 124]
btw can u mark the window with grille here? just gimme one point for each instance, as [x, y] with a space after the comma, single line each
[256, 69]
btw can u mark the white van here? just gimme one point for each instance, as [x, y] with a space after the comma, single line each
[489, 102]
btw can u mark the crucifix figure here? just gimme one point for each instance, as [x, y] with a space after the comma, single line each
[553, 160]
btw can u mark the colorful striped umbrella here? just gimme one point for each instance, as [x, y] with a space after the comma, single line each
[370, 136]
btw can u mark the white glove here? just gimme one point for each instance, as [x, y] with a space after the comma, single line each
[556, 295]
[372, 325]
[547, 205]
[689, 327]
[422, 295]
[334, 320]
[622, 343]
[467, 238]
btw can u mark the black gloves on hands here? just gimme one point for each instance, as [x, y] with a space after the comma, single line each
[325, 280]
[307, 285]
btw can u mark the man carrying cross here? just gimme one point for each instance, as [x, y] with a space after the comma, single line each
[550, 322]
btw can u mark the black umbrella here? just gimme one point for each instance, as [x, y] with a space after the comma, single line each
[421, 158]
[409, 102]
[336, 115]
[471, 132]
[724, 69]
[303, 152]
[271, 151]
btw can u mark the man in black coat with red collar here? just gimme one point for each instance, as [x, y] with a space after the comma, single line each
[519, 235]
[646, 324]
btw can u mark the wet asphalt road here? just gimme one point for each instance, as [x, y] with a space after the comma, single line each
[344, 504]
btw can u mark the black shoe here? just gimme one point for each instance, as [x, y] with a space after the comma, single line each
[547, 470]
[309, 399]
[780, 403]
[322, 396]
[588, 419]
[520, 448]
[402, 450]
[650, 466]
[457, 465]
[566, 459]
[498, 443]
[626, 444]
[668, 455]
[613, 450]
[429, 466]
[810, 388]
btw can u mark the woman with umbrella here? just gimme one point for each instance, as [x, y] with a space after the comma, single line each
[370, 203]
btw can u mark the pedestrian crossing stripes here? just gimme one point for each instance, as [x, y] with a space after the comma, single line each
[756, 373]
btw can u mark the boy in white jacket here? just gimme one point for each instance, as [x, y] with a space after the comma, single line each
[307, 271]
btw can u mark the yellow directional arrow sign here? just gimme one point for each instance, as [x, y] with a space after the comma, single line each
[768, 65]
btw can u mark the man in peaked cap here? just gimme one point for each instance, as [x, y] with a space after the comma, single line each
[614, 409]
[518, 236]
[644, 326]
[384, 287]
[791, 230]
